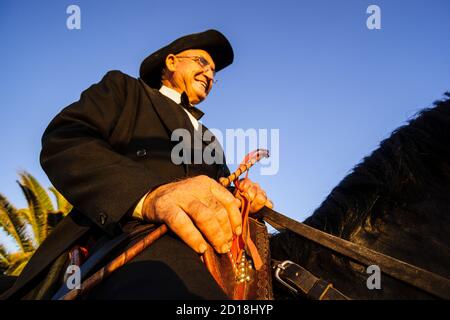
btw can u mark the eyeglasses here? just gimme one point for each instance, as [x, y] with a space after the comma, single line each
[201, 61]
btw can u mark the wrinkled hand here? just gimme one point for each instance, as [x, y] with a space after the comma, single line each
[258, 197]
[194, 208]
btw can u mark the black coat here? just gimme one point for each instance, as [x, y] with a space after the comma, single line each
[104, 153]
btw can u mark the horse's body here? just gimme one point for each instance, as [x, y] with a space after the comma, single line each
[397, 202]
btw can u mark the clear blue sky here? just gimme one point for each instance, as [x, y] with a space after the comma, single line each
[311, 69]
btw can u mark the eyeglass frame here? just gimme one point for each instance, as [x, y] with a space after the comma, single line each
[202, 62]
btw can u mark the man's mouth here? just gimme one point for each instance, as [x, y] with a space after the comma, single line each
[204, 84]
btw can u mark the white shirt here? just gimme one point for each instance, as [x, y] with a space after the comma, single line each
[176, 97]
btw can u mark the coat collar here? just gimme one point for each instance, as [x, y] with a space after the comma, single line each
[183, 100]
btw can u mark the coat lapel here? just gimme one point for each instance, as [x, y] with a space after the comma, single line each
[170, 114]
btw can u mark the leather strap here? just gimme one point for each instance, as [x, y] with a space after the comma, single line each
[302, 282]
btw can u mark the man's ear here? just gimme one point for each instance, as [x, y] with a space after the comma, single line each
[171, 62]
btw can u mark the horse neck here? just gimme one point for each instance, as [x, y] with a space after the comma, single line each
[410, 226]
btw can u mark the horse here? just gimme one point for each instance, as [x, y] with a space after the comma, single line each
[396, 201]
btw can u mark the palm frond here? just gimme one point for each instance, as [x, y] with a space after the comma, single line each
[9, 221]
[28, 227]
[4, 262]
[7, 226]
[17, 263]
[25, 216]
[3, 251]
[41, 194]
[63, 205]
[37, 213]
[31, 227]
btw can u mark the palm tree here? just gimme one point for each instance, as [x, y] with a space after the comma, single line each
[28, 227]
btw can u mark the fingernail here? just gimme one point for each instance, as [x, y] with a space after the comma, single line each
[202, 248]
[238, 231]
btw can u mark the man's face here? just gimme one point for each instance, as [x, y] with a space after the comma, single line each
[192, 71]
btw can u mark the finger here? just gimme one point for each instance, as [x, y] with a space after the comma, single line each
[249, 184]
[269, 204]
[231, 204]
[206, 221]
[224, 222]
[244, 184]
[252, 192]
[180, 223]
[258, 202]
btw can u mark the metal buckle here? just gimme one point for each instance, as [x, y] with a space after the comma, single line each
[282, 266]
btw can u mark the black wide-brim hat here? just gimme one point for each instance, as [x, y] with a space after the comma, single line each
[212, 41]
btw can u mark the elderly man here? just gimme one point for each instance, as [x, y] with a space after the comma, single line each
[109, 154]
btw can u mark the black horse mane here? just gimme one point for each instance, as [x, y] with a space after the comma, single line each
[396, 201]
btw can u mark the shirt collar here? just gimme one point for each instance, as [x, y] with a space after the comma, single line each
[176, 97]
[171, 94]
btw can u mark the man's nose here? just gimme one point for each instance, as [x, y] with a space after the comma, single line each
[209, 73]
